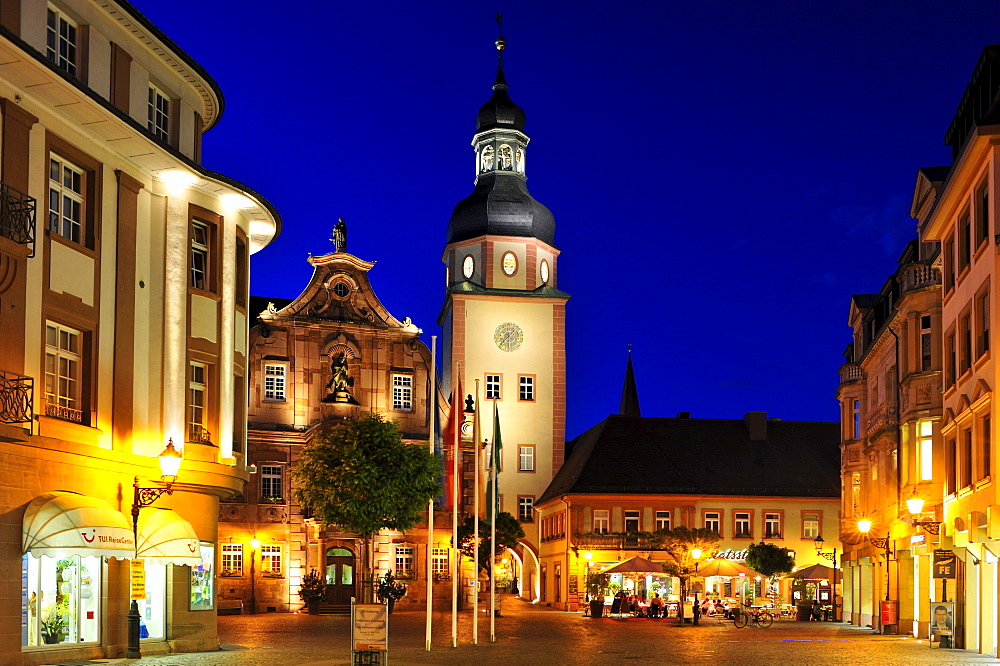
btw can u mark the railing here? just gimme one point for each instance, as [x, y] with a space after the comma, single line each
[17, 398]
[619, 541]
[63, 413]
[17, 216]
[885, 415]
[920, 275]
[850, 372]
[198, 434]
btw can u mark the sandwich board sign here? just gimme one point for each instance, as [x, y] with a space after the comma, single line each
[369, 633]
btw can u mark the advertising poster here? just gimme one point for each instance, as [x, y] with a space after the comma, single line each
[942, 623]
[370, 627]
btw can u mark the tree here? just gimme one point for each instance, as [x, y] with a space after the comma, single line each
[769, 560]
[678, 544]
[509, 530]
[362, 477]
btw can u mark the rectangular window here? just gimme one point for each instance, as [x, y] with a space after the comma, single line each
[772, 525]
[404, 561]
[741, 525]
[66, 201]
[950, 361]
[950, 471]
[402, 393]
[662, 520]
[493, 387]
[602, 523]
[949, 264]
[270, 484]
[200, 247]
[439, 563]
[856, 419]
[63, 373]
[274, 381]
[711, 522]
[525, 508]
[158, 113]
[232, 559]
[526, 458]
[982, 214]
[270, 560]
[241, 272]
[966, 339]
[984, 448]
[526, 388]
[925, 450]
[631, 521]
[925, 342]
[983, 323]
[197, 403]
[964, 243]
[965, 459]
[810, 525]
[61, 41]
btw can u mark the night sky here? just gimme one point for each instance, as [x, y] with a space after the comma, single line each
[723, 175]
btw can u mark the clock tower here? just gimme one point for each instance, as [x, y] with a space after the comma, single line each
[504, 319]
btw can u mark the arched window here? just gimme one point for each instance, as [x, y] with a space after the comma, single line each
[505, 157]
[519, 160]
[487, 161]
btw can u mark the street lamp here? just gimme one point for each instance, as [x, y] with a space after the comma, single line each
[832, 556]
[864, 526]
[254, 545]
[696, 554]
[170, 463]
[915, 506]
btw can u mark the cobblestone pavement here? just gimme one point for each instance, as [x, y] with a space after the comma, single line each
[531, 635]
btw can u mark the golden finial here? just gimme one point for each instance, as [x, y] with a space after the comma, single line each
[501, 42]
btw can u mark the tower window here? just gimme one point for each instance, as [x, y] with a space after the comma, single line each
[509, 263]
[526, 388]
[505, 157]
[487, 159]
[519, 160]
[493, 387]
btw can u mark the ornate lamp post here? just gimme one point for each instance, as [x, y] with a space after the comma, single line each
[832, 556]
[254, 546]
[915, 506]
[170, 463]
[696, 554]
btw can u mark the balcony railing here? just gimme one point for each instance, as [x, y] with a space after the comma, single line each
[63, 412]
[198, 434]
[619, 541]
[850, 372]
[884, 416]
[918, 276]
[17, 398]
[17, 216]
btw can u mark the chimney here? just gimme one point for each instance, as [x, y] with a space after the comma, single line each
[756, 423]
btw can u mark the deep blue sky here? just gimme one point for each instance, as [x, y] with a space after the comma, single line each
[724, 175]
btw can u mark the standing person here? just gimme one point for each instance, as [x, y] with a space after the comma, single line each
[817, 611]
[654, 606]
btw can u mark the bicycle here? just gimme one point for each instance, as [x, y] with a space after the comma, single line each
[757, 619]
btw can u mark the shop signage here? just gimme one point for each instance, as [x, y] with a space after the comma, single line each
[730, 554]
[944, 564]
[572, 584]
[138, 580]
[370, 627]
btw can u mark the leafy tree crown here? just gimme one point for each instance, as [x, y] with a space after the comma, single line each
[769, 560]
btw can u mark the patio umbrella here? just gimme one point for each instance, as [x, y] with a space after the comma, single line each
[635, 565]
[812, 572]
[725, 568]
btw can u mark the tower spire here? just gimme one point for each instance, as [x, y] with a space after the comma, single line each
[630, 396]
[501, 82]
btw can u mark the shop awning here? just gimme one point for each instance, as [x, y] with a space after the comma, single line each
[60, 523]
[166, 538]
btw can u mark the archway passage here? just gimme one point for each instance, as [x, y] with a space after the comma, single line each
[339, 576]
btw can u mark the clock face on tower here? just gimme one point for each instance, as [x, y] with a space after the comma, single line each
[508, 336]
[468, 266]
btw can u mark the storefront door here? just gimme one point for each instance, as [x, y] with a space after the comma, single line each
[339, 576]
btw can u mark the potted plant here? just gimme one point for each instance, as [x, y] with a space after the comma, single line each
[597, 583]
[55, 623]
[389, 589]
[312, 591]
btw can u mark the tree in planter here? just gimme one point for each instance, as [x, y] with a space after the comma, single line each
[362, 477]
[389, 589]
[508, 530]
[769, 561]
[312, 590]
[678, 544]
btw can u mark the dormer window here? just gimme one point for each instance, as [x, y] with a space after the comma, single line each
[487, 160]
[505, 157]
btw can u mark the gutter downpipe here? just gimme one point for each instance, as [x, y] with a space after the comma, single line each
[899, 475]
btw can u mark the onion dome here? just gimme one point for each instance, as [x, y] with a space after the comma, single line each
[500, 111]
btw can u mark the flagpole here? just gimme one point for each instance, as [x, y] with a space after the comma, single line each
[456, 568]
[494, 468]
[475, 522]
[430, 503]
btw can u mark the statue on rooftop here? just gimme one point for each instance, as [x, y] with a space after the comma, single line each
[340, 236]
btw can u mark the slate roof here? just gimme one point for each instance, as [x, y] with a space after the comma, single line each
[702, 456]
[500, 205]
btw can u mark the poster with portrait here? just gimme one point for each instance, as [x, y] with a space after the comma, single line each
[942, 631]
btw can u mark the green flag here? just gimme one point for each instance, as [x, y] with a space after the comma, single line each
[496, 464]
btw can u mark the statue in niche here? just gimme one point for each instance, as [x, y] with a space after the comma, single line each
[339, 236]
[338, 388]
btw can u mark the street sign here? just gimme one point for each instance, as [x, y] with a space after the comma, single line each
[944, 564]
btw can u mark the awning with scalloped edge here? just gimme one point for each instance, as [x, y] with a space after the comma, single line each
[166, 538]
[61, 523]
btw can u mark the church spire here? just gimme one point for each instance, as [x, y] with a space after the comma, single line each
[630, 397]
[501, 82]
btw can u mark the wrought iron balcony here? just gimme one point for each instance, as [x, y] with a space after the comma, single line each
[63, 412]
[618, 540]
[17, 216]
[17, 398]
[199, 434]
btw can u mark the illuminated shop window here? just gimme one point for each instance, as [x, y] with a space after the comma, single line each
[202, 580]
[61, 600]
